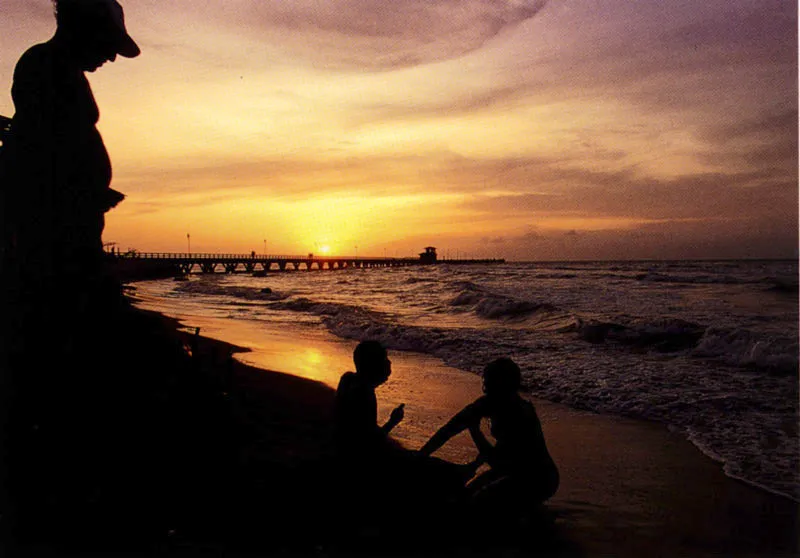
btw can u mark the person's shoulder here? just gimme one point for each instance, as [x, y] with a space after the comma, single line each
[34, 62]
[479, 406]
[347, 380]
[36, 54]
[527, 403]
[524, 403]
[528, 409]
[480, 401]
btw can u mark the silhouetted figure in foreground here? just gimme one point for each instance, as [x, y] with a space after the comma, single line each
[56, 191]
[521, 472]
[358, 434]
[59, 404]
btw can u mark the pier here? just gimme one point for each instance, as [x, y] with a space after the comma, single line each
[141, 265]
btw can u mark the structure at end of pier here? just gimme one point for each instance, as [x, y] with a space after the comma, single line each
[134, 265]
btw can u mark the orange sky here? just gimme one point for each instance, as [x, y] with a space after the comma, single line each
[572, 129]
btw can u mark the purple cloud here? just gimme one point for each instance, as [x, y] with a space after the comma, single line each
[378, 35]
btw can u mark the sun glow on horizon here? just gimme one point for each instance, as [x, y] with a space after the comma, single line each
[546, 140]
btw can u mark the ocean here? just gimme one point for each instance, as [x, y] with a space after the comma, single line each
[707, 348]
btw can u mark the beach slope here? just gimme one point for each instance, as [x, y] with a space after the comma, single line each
[212, 455]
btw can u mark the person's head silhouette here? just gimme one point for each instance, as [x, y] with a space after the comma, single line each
[372, 362]
[93, 31]
[501, 378]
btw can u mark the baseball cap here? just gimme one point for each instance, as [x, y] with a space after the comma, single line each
[106, 14]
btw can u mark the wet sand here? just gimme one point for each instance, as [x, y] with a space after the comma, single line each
[228, 452]
[628, 488]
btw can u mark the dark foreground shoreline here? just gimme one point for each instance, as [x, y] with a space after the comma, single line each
[191, 453]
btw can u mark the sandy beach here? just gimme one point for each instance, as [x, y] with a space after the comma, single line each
[628, 487]
[238, 462]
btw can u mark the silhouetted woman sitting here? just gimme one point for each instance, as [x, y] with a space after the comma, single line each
[521, 470]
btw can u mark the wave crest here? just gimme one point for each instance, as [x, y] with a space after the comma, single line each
[664, 335]
[741, 347]
[213, 288]
[492, 306]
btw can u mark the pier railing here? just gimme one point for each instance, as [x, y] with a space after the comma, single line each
[243, 257]
[140, 265]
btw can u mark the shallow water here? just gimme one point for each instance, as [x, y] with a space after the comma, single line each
[708, 348]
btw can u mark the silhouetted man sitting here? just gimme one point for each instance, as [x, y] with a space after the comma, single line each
[364, 447]
[375, 473]
[357, 431]
[368, 464]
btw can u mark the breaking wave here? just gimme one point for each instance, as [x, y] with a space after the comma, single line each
[489, 305]
[663, 334]
[743, 348]
[214, 288]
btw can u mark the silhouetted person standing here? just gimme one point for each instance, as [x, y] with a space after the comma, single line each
[57, 189]
[54, 192]
[521, 471]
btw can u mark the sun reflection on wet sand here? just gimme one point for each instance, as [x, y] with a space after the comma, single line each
[431, 391]
[301, 357]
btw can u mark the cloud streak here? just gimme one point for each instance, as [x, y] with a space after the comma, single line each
[376, 35]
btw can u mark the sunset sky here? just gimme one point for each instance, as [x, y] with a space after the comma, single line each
[573, 129]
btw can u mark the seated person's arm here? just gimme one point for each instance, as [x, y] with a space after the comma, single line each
[484, 447]
[394, 419]
[462, 420]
